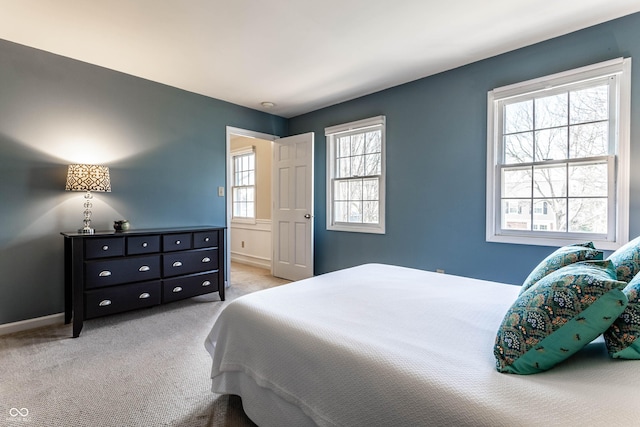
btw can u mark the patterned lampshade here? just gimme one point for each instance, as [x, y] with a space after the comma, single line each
[88, 178]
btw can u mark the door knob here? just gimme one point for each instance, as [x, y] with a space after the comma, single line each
[307, 216]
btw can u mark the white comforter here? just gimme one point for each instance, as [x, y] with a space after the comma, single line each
[380, 345]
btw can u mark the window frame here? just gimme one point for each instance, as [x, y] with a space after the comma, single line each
[619, 121]
[332, 133]
[237, 153]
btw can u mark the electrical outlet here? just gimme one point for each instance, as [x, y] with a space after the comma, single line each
[439, 270]
[220, 191]
[243, 243]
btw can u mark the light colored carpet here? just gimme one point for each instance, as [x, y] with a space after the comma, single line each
[146, 367]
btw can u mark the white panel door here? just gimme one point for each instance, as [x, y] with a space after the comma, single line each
[292, 218]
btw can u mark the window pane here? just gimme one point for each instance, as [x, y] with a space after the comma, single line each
[518, 148]
[249, 210]
[589, 140]
[341, 189]
[516, 214]
[373, 142]
[588, 180]
[355, 190]
[556, 217]
[370, 189]
[355, 211]
[544, 218]
[516, 182]
[344, 146]
[242, 194]
[588, 215]
[518, 117]
[250, 194]
[551, 111]
[370, 213]
[372, 164]
[340, 211]
[551, 144]
[357, 144]
[550, 181]
[357, 166]
[344, 168]
[589, 105]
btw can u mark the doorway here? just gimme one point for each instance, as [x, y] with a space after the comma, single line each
[249, 169]
[282, 190]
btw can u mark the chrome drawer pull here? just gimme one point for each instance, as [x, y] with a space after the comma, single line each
[105, 273]
[177, 242]
[145, 244]
[206, 283]
[105, 303]
[177, 289]
[206, 239]
[206, 259]
[144, 268]
[177, 264]
[105, 248]
[144, 295]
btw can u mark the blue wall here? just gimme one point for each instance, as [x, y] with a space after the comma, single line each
[436, 159]
[165, 148]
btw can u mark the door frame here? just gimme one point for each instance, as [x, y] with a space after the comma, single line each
[230, 130]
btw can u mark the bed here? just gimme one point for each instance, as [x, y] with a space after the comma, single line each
[381, 345]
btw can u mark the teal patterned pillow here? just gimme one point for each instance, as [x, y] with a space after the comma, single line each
[562, 256]
[627, 260]
[560, 314]
[623, 337]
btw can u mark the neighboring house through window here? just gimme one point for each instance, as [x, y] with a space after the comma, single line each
[558, 158]
[244, 184]
[356, 176]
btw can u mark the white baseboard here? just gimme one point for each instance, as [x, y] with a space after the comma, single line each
[38, 322]
[251, 260]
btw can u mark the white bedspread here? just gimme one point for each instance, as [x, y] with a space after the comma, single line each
[380, 345]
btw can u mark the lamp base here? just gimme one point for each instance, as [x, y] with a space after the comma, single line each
[86, 230]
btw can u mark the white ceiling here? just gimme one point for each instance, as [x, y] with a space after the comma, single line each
[299, 54]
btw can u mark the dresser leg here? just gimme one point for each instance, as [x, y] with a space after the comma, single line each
[77, 327]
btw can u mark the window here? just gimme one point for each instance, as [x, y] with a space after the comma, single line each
[244, 184]
[356, 176]
[558, 150]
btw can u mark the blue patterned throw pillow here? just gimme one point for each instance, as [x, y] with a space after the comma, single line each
[563, 312]
[627, 260]
[623, 337]
[561, 257]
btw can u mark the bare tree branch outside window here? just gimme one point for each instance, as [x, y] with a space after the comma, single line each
[554, 173]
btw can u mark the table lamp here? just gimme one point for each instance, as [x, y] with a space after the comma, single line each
[88, 178]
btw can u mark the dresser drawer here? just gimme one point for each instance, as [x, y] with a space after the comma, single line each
[104, 247]
[138, 245]
[121, 270]
[187, 262]
[176, 242]
[115, 299]
[205, 239]
[189, 286]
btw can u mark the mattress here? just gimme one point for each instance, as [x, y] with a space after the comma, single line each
[382, 345]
